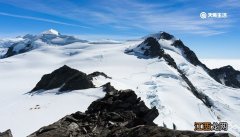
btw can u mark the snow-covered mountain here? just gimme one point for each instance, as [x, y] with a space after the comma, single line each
[161, 70]
[30, 42]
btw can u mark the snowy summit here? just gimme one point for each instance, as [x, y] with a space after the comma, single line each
[51, 32]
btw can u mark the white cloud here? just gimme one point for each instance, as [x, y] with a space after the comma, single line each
[130, 14]
[40, 19]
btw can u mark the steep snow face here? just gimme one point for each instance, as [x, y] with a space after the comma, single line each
[153, 79]
[226, 99]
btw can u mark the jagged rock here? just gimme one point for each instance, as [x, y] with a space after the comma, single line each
[109, 89]
[166, 36]
[161, 35]
[97, 73]
[123, 109]
[189, 54]
[204, 98]
[149, 48]
[226, 75]
[121, 114]
[66, 78]
[7, 133]
[152, 47]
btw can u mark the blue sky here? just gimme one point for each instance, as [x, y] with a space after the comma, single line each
[125, 19]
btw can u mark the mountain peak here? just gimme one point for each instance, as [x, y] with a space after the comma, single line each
[161, 35]
[51, 32]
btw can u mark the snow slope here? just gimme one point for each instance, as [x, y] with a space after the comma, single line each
[157, 83]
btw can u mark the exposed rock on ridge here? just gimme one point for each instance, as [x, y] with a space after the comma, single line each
[118, 114]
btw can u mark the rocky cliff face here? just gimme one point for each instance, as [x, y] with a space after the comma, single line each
[118, 114]
[7, 133]
[65, 78]
[226, 75]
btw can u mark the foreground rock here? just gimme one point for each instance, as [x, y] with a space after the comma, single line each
[118, 114]
[7, 133]
[66, 79]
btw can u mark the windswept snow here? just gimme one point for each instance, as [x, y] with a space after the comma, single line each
[157, 83]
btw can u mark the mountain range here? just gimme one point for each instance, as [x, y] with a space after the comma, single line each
[48, 76]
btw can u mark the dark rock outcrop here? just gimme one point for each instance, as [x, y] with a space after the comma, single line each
[189, 54]
[7, 133]
[121, 114]
[66, 79]
[109, 89]
[226, 75]
[204, 98]
[121, 110]
[166, 36]
[97, 73]
[151, 47]
[161, 35]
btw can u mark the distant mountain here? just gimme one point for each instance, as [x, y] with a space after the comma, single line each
[151, 48]
[226, 75]
[30, 42]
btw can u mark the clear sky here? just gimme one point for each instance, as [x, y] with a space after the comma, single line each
[125, 19]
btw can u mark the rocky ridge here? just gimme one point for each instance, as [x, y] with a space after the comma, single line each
[118, 114]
